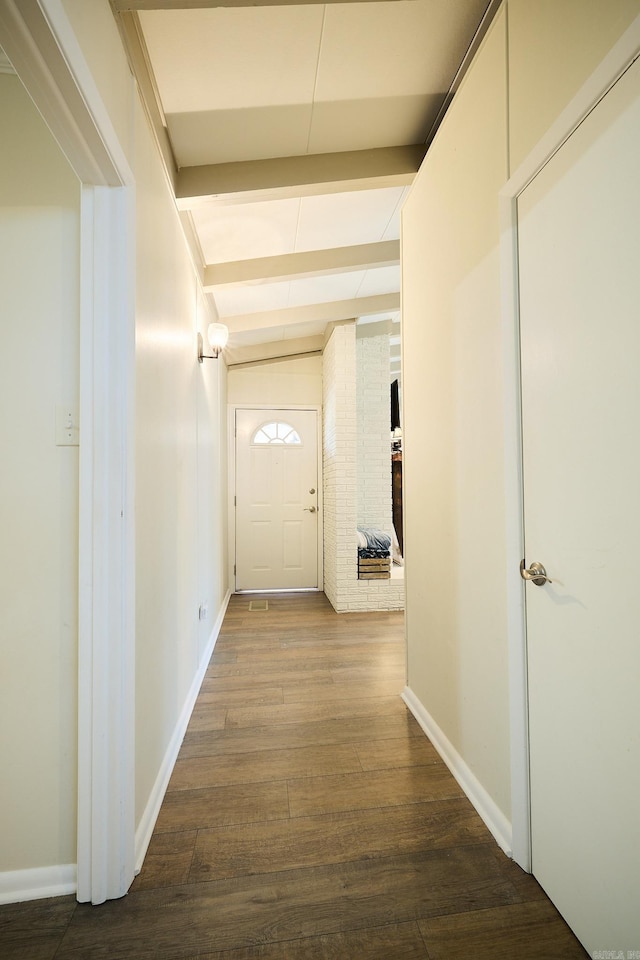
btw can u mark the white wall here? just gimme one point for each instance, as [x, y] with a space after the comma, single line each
[553, 47]
[98, 36]
[373, 413]
[535, 58]
[39, 320]
[180, 489]
[282, 382]
[213, 545]
[453, 426]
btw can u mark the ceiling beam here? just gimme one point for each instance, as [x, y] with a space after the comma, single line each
[128, 5]
[314, 313]
[299, 266]
[282, 178]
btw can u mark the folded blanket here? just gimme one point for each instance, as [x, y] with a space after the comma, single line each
[373, 543]
[365, 554]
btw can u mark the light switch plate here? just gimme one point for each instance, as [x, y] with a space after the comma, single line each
[67, 430]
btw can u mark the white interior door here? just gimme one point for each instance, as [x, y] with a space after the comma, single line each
[276, 499]
[579, 256]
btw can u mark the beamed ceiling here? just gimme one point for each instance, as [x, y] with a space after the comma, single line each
[291, 133]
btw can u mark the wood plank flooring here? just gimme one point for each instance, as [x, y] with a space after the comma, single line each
[307, 818]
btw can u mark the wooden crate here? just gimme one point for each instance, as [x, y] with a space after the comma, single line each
[374, 568]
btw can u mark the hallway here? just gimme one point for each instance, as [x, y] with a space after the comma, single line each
[308, 818]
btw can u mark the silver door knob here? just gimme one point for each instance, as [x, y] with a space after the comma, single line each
[536, 573]
[310, 509]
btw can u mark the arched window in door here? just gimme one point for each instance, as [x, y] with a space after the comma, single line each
[276, 432]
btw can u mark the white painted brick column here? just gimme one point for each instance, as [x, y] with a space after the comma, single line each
[339, 461]
[342, 441]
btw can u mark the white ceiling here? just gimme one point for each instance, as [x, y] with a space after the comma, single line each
[272, 120]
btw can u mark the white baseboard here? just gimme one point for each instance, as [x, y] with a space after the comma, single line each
[490, 813]
[150, 815]
[37, 884]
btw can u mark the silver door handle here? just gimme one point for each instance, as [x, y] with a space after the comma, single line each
[536, 573]
[310, 509]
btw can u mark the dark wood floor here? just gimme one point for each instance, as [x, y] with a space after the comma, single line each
[308, 818]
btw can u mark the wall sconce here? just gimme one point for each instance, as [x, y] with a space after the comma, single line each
[217, 335]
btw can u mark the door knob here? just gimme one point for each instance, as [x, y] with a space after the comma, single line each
[536, 573]
[310, 509]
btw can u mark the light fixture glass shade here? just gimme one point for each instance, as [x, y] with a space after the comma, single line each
[218, 335]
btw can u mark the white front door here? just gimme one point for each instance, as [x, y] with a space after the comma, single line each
[277, 499]
[579, 257]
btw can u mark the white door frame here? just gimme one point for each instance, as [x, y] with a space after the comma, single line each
[39, 40]
[231, 433]
[617, 61]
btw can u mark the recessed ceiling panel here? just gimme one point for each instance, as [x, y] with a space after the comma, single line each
[372, 50]
[250, 298]
[296, 331]
[250, 133]
[342, 219]
[248, 338]
[340, 286]
[364, 124]
[246, 231]
[380, 280]
[226, 58]
[292, 331]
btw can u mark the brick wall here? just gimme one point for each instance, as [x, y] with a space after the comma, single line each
[340, 469]
[339, 459]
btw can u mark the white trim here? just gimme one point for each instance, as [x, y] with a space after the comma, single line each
[609, 71]
[37, 884]
[150, 815]
[231, 432]
[486, 807]
[514, 543]
[106, 629]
